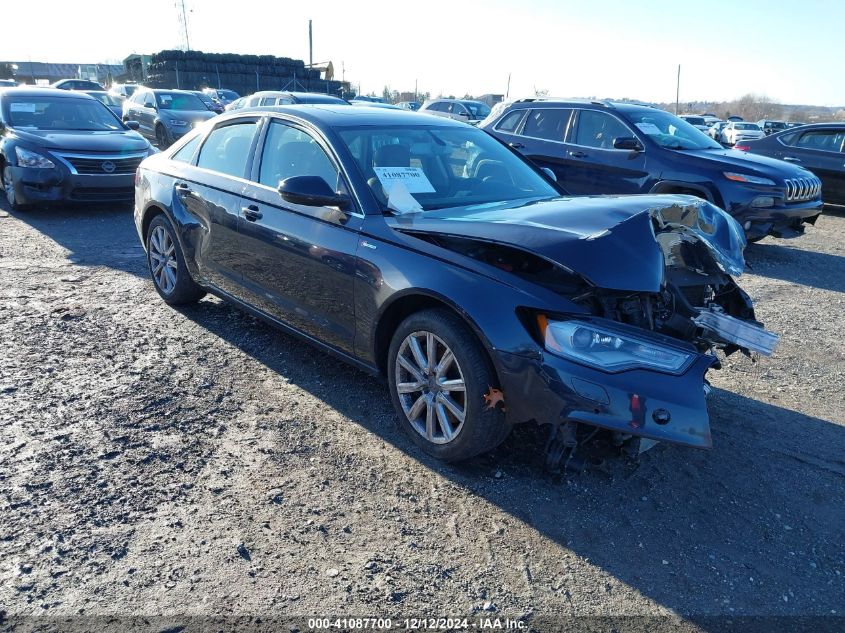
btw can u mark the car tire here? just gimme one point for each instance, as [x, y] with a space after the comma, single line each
[447, 423]
[9, 191]
[162, 137]
[167, 265]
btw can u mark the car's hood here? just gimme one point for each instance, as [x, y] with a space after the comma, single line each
[105, 141]
[609, 240]
[735, 160]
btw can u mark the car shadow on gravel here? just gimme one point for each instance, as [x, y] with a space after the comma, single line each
[94, 235]
[796, 265]
[753, 525]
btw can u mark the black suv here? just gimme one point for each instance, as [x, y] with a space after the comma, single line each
[599, 147]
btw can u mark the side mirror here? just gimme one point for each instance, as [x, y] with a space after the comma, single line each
[311, 191]
[132, 125]
[627, 142]
[550, 173]
[150, 104]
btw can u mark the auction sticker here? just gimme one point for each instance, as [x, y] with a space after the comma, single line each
[413, 178]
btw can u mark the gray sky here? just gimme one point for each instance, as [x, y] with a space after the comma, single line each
[791, 51]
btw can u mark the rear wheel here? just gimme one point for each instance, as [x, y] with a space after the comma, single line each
[167, 265]
[9, 190]
[440, 381]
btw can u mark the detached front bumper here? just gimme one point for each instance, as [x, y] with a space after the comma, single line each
[45, 186]
[638, 402]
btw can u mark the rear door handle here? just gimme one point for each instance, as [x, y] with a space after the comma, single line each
[578, 154]
[252, 212]
[792, 159]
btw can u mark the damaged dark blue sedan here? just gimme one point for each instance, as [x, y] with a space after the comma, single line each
[427, 251]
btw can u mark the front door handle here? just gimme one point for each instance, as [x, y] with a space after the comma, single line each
[183, 189]
[578, 154]
[252, 212]
[792, 159]
[516, 145]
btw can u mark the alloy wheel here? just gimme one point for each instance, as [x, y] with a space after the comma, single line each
[163, 265]
[431, 387]
[161, 137]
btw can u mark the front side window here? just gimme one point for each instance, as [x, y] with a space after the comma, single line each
[51, 113]
[288, 152]
[226, 149]
[824, 140]
[443, 167]
[598, 129]
[548, 123]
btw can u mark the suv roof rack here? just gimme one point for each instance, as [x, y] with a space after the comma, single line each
[601, 102]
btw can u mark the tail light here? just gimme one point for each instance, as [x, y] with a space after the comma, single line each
[742, 147]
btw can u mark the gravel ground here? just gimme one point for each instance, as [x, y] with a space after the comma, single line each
[197, 462]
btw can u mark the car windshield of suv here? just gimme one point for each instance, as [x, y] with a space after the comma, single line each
[746, 126]
[426, 167]
[694, 120]
[228, 94]
[477, 109]
[51, 113]
[179, 101]
[670, 131]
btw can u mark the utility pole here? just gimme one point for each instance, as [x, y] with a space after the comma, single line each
[508, 91]
[678, 91]
[415, 91]
[184, 21]
[310, 54]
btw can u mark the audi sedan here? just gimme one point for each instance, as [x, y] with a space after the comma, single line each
[62, 145]
[429, 252]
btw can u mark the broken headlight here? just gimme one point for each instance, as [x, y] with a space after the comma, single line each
[609, 350]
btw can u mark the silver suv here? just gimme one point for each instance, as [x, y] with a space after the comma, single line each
[468, 111]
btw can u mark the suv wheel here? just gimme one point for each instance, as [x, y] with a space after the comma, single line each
[439, 375]
[167, 265]
[162, 137]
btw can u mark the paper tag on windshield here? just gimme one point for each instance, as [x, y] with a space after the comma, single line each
[413, 178]
[400, 199]
[21, 107]
[649, 128]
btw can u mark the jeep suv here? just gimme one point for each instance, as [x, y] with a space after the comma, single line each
[598, 147]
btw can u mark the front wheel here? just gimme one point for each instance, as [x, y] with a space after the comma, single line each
[444, 388]
[167, 265]
[162, 138]
[9, 190]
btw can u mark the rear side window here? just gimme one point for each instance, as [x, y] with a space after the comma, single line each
[226, 149]
[824, 140]
[549, 124]
[598, 129]
[511, 122]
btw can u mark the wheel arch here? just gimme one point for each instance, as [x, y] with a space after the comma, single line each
[411, 302]
[676, 186]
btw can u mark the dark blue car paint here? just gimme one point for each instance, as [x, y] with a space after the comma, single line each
[589, 170]
[335, 279]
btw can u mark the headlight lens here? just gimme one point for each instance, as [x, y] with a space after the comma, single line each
[754, 180]
[33, 159]
[607, 349]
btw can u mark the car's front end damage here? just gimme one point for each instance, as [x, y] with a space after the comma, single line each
[651, 277]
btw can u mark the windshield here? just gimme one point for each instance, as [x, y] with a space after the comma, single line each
[424, 167]
[477, 109]
[228, 94]
[670, 131]
[694, 120]
[179, 101]
[105, 98]
[62, 113]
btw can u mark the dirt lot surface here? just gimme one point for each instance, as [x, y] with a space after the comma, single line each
[197, 462]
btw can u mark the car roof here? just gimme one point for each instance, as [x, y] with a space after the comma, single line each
[830, 125]
[45, 92]
[158, 90]
[552, 102]
[337, 116]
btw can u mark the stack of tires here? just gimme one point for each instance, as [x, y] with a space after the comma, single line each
[245, 74]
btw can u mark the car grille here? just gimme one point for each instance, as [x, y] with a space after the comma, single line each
[801, 189]
[103, 164]
[113, 194]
